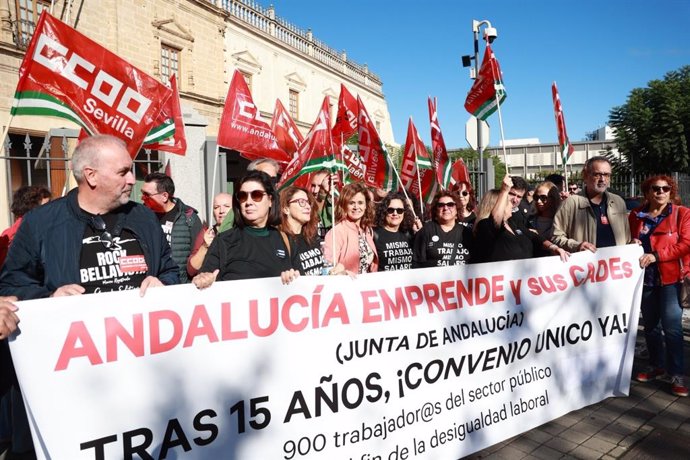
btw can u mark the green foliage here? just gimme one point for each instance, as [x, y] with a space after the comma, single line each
[653, 126]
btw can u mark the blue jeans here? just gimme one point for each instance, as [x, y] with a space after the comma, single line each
[661, 311]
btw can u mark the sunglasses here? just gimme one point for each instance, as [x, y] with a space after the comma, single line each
[98, 224]
[543, 198]
[399, 211]
[449, 204]
[572, 189]
[301, 202]
[661, 188]
[256, 196]
[464, 193]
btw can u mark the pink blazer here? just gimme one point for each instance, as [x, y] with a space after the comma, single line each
[347, 246]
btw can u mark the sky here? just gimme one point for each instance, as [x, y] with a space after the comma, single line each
[596, 50]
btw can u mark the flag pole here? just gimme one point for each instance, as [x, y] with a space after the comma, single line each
[407, 197]
[419, 182]
[209, 208]
[335, 253]
[6, 130]
[500, 121]
[503, 139]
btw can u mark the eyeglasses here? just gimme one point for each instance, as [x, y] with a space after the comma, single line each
[464, 193]
[256, 196]
[661, 188]
[598, 175]
[399, 211]
[98, 224]
[301, 202]
[448, 204]
[543, 198]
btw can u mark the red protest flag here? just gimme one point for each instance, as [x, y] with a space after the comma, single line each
[65, 74]
[487, 90]
[409, 171]
[459, 173]
[438, 146]
[241, 127]
[169, 135]
[378, 172]
[283, 126]
[566, 147]
[346, 119]
[316, 152]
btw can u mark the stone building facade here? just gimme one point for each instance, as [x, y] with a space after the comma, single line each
[202, 42]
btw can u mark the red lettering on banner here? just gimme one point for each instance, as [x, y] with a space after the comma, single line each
[302, 324]
[155, 318]
[447, 295]
[226, 324]
[369, 305]
[134, 341]
[601, 271]
[78, 333]
[200, 325]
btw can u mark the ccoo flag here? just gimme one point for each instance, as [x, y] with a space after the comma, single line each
[487, 91]
[438, 146]
[241, 126]
[567, 148]
[65, 74]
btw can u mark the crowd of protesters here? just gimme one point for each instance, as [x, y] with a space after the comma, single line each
[259, 232]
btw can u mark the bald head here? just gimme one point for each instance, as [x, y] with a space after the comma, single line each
[222, 204]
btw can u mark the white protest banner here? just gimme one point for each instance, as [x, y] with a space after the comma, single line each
[430, 364]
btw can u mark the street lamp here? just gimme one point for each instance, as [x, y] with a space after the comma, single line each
[490, 34]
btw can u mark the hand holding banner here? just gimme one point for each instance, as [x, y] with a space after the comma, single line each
[437, 363]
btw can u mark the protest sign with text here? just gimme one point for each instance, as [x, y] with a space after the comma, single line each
[434, 363]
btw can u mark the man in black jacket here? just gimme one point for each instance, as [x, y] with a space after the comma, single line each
[94, 239]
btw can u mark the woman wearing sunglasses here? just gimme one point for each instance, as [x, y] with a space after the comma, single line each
[252, 248]
[352, 235]
[442, 241]
[500, 236]
[663, 228]
[547, 199]
[394, 232]
[299, 228]
[467, 204]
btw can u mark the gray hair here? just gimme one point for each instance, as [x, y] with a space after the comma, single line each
[88, 150]
[254, 164]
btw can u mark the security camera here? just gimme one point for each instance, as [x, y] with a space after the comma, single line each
[490, 34]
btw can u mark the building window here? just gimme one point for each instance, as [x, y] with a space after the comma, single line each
[170, 63]
[294, 104]
[28, 12]
[247, 79]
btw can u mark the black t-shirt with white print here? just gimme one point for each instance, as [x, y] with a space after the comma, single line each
[306, 258]
[434, 247]
[394, 249]
[106, 266]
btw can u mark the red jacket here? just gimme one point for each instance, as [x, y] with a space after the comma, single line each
[670, 242]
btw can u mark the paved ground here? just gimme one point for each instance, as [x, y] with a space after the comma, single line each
[651, 423]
